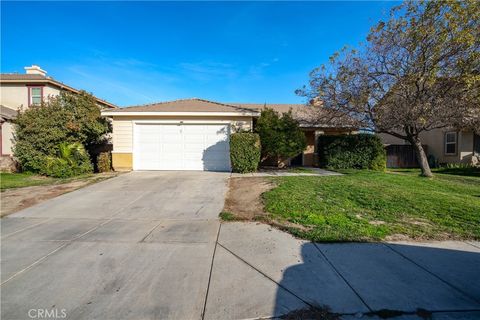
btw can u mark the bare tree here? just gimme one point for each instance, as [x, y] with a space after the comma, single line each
[417, 72]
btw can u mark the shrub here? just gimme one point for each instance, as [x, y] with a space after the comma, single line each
[71, 160]
[104, 164]
[245, 150]
[280, 135]
[67, 118]
[361, 151]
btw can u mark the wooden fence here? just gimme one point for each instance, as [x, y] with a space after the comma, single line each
[402, 156]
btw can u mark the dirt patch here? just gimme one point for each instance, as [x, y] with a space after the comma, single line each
[14, 200]
[244, 199]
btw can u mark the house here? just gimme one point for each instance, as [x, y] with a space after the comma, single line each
[443, 146]
[20, 91]
[193, 134]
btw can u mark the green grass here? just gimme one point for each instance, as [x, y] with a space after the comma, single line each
[18, 180]
[227, 216]
[300, 170]
[26, 179]
[367, 205]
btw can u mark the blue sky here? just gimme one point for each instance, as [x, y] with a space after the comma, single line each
[134, 53]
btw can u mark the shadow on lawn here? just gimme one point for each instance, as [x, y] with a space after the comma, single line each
[383, 280]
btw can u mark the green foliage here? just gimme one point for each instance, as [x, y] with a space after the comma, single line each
[67, 118]
[361, 151]
[364, 205]
[280, 135]
[245, 152]
[71, 160]
[104, 164]
[227, 216]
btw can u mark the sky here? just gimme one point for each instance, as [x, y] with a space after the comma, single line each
[132, 53]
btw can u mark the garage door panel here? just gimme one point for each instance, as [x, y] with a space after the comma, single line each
[181, 147]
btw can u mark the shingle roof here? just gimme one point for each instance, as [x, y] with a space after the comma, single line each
[23, 76]
[7, 113]
[185, 105]
[307, 115]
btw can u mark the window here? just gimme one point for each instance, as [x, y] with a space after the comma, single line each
[450, 143]
[35, 95]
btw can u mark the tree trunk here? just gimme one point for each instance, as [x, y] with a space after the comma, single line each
[421, 157]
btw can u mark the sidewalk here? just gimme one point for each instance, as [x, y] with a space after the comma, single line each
[261, 272]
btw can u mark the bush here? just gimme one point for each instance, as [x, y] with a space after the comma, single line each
[71, 160]
[245, 150]
[280, 135]
[67, 118]
[361, 151]
[104, 164]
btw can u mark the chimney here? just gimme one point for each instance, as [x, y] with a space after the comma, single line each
[34, 69]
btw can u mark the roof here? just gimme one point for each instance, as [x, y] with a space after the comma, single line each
[185, 105]
[307, 115]
[7, 113]
[41, 79]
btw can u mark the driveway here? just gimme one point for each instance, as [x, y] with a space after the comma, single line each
[148, 245]
[139, 246]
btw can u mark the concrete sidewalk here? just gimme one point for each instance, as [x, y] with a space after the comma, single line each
[261, 272]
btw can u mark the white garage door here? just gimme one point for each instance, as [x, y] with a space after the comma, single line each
[181, 147]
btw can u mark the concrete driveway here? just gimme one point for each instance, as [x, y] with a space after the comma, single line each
[139, 246]
[148, 245]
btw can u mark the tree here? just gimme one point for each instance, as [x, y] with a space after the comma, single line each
[67, 118]
[280, 135]
[418, 71]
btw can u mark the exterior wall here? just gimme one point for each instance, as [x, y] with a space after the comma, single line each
[122, 161]
[436, 145]
[15, 96]
[7, 138]
[122, 135]
[309, 153]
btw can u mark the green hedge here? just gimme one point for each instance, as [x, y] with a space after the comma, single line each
[245, 151]
[361, 151]
[104, 163]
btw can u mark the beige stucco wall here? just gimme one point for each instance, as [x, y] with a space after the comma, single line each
[7, 137]
[15, 96]
[435, 142]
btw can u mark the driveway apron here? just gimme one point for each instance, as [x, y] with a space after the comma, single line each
[138, 246]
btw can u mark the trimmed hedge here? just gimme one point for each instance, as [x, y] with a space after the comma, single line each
[104, 164]
[360, 151]
[245, 150]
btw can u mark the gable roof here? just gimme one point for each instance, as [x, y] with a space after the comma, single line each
[308, 115]
[185, 105]
[41, 79]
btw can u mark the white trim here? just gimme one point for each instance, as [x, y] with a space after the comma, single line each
[208, 114]
[179, 121]
[455, 143]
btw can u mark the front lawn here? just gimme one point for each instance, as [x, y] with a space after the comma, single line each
[17, 180]
[366, 205]
[26, 179]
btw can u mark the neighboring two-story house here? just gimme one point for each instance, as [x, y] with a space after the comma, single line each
[20, 91]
